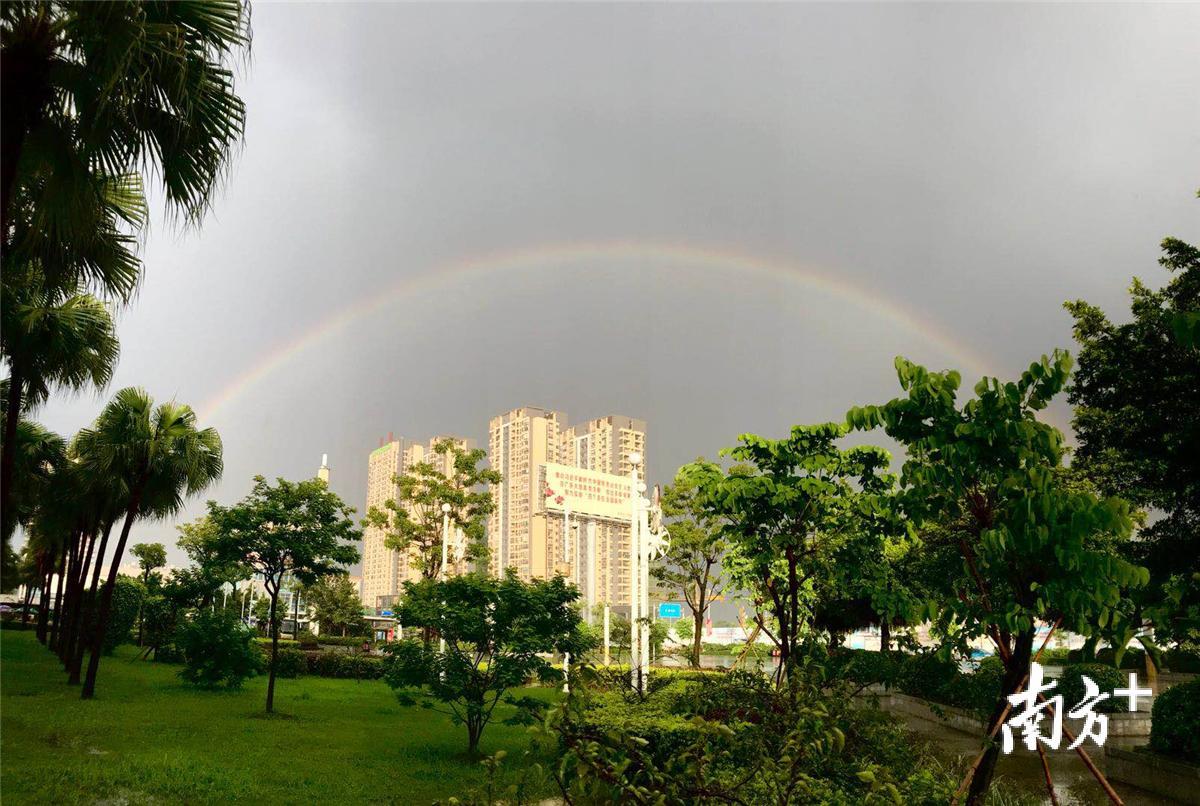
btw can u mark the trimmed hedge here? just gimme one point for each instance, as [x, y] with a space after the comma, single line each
[1070, 685]
[1055, 657]
[345, 665]
[289, 662]
[1133, 660]
[1175, 722]
[652, 719]
[344, 640]
[1183, 660]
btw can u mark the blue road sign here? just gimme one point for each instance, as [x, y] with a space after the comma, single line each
[385, 612]
[670, 610]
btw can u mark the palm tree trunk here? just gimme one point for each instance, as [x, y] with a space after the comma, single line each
[27, 603]
[274, 652]
[12, 416]
[43, 605]
[76, 656]
[106, 595]
[56, 627]
[71, 561]
[24, 71]
[81, 642]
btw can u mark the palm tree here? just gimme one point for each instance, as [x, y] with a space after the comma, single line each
[96, 93]
[37, 454]
[158, 456]
[49, 339]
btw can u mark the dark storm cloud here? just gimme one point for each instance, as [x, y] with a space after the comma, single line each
[973, 165]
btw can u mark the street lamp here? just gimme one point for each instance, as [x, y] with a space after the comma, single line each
[445, 546]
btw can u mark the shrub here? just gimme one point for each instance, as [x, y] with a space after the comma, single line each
[652, 720]
[217, 650]
[126, 600]
[1055, 657]
[345, 665]
[977, 691]
[290, 662]
[1133, 659]
[864, 667]
[925, 675]
[169, 653]
[343, 640]
[1175, 721]
[1183, 660]
[1070, 685]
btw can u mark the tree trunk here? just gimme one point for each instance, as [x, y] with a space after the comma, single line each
[25, 66]
[885, 635]
[71, 570]
[106, 595]
[28, 602]
[8, 452]
[74, 661]
[274, 651]
[474, 734]
[56, 626]
[81, 643]
[697, 637]
[43, 606]
[1015, 670]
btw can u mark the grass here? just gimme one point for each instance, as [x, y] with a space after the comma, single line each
[150, 738]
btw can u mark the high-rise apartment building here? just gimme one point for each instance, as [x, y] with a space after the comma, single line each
[386, 570]
[519, 442]
[603, 445]
[526, 533]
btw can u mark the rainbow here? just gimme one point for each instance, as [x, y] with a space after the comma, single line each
[563, 257]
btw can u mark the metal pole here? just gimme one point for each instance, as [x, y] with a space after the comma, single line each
[644, 586]
[442, 575]
[591, 564]
[606, 634]
[635, 677]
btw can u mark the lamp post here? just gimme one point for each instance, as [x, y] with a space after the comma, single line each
[445, 549]
[647, 540]
[635, 573]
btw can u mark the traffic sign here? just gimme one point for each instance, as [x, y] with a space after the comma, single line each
[670, 610]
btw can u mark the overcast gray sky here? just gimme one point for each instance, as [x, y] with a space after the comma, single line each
[718, 218]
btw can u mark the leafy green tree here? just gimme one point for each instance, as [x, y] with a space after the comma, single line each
[151, 557]
[218, 650]
[496, 632]
[201, 542]
[158, 456]
[692, 562]
[336, 605]
[301, 529]
[987, 474]
[49, 339]
[37, 455]
[785, 506]
[1135, 394]
[413, 519]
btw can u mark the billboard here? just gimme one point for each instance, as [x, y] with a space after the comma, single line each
[589, 493]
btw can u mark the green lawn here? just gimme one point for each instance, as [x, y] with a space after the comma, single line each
[148, 737]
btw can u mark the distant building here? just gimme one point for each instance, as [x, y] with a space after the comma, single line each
[323, 470]
[560, 478]
[384, 570]
[519, 441]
